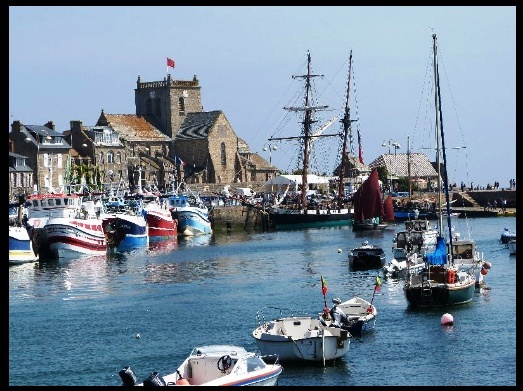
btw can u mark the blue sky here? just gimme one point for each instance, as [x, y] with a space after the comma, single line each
[69, 63]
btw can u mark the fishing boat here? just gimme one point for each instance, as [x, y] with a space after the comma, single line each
[162, 225]
[215, 365]
[368, 205]
[40, 207]
[298, 337]
[189, 210]
[124, 223]
[418, 235]
[82, 234]
[366, 257]
[305, 215]
[441, 282]
[20, 244]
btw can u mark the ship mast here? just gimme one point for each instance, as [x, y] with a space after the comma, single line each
[346, 121]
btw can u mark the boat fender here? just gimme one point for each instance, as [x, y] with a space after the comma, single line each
[487, 265]
[451, 275]
[484, 271]
[182, 382]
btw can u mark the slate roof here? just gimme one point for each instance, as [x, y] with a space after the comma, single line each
[197, 125]
[134, 128]
[397, 165]
[44, 131]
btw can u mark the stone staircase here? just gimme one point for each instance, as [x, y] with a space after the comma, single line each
[466, 199]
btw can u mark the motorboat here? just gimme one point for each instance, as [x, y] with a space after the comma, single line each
[507, 235]
[215, 365]
[418, 236]
[20, 244]
[299, 337]
[366, 257]
[357, 316]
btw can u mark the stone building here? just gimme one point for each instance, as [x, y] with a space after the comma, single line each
[169, 139]
[47, 153]
[20, 176]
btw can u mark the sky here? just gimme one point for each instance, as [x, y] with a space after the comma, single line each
[69, 63]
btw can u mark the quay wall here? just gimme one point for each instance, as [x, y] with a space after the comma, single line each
[481, 197]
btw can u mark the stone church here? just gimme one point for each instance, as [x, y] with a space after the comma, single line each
[202, 145]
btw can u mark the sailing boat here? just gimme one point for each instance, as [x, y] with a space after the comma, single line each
[304, 215]
[441, 282]
[368, 205]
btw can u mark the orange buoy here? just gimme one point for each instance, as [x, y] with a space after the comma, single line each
[484, 271]
[182, 382]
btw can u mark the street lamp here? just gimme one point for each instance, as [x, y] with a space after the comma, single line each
[270, 148]
[393, 143]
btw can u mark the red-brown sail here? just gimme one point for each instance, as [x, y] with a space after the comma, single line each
[367, 199]
[388, 208]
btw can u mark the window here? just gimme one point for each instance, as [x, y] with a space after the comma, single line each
[223, 155]
[101, 159]
[46, 160]
[148, 106]
[181, 105]
[118, 157]
[110, 157]
[59, 160]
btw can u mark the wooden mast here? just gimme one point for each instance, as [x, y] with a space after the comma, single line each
[346, 121]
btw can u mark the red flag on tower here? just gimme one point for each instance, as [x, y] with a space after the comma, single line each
[170, 62]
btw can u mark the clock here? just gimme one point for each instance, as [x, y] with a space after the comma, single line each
[152, 94]
[185, 94]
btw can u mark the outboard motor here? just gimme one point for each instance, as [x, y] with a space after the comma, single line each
[154, 379]
[128, 377]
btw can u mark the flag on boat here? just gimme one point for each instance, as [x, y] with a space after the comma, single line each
[179, 161]
[170, 62]
[323, 286]
[378, 284]
[360, 152]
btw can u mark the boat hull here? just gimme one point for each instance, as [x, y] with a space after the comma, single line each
[295, 219]
[215, 365]
[368, 226]
[367, 260]
[161, 225]
[192, 221]
[20, 246]
[301, 339]
[125, 231]
[69, 237]
[423, 293]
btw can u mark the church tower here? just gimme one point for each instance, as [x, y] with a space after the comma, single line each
[166, 103]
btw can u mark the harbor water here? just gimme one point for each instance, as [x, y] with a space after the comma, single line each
[78, 322]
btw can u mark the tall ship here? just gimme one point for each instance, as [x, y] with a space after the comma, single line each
[304, 215]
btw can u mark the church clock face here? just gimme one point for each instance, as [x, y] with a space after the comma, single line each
[152, 94]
